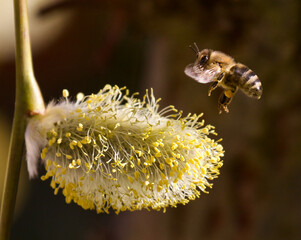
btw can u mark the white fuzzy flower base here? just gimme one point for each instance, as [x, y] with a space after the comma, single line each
[111, 150]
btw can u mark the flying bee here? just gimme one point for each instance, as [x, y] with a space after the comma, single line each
[222, 71]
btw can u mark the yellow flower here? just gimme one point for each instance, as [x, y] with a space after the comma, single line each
[112, 150]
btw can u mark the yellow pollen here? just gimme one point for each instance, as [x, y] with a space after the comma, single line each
[80, 96]
[159, 188]
[156, 149]
[65, 93]
[54, 133]
[80, 127]
[161, 166]
[174, 146]
[52, 184]
[130, 179]
[43, 153]
[52, 141]
[139, 153]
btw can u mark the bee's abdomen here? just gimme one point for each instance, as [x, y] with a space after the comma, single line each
[248, 81]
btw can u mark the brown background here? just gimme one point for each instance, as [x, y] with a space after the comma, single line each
[143, 44]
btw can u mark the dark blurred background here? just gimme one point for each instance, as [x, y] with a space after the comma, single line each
[82, 45]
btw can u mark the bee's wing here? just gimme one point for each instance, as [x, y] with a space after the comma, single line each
[202, 76]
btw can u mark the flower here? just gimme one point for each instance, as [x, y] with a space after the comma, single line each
[112, 150]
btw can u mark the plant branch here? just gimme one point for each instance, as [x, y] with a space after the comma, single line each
[29, 101]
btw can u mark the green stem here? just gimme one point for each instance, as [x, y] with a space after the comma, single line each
[29, 101]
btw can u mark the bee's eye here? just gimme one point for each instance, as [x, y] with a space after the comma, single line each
[204, 59]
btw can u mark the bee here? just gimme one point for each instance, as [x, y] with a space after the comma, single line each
[221, 70]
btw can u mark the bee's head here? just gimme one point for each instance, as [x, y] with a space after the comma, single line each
[202, 56]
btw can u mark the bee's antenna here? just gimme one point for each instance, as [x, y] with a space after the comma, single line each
[193, 49]
[196, 49]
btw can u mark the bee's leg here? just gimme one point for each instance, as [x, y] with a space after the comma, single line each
[221, 76]
[225, 99]
[212, 87]
[215, 83]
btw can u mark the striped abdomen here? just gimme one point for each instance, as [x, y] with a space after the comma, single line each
[247, 80]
